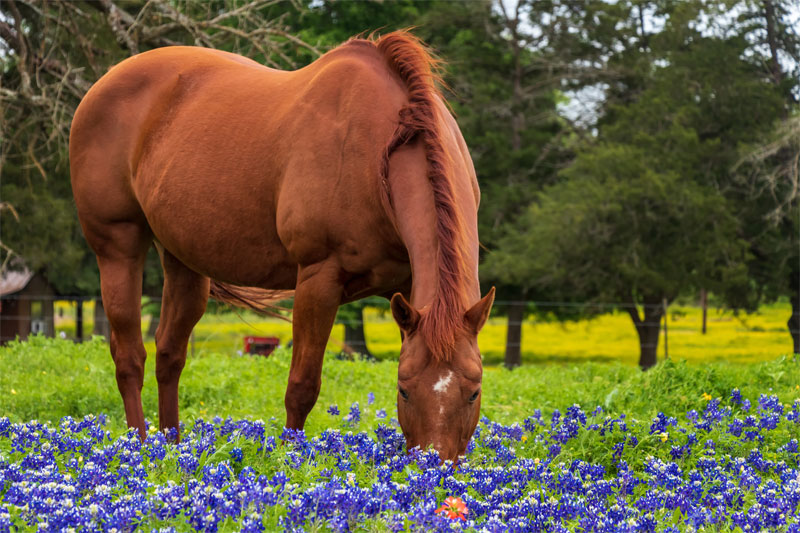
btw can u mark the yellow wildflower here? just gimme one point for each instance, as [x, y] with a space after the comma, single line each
[524, 438]
[706, 396]
[664, 436]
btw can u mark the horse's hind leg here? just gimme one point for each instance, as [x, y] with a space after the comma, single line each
[184, 301]
[121, 248]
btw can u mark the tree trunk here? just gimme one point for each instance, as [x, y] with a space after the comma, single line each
[794, 324]
[794, 320]
[79, 320]
[516, 313]
[648, 330]
[101, 326]
[772, 41]
[354, 336]
[153, 327]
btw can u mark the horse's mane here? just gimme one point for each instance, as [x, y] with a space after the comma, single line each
[420, 118]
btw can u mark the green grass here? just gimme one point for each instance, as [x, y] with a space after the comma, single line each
[46, 379]
[742, 338]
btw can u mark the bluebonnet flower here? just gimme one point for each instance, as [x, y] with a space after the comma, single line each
[354, 416]
[718, 471]
[237, 454]
[736, 396]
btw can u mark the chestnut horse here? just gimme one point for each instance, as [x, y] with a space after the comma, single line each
[344, 179]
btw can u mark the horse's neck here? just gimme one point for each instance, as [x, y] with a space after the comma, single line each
[416, 220]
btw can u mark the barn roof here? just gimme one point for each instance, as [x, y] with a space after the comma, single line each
[13, 281]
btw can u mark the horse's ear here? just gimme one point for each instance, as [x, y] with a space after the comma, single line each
[404, 313]
[477, 315]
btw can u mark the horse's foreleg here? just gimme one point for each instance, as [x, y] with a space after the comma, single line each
[184, 301]
[316, 301]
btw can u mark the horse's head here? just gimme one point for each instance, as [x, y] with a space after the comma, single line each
[439, 398]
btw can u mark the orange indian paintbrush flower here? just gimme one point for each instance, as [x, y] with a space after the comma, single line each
[453, 507]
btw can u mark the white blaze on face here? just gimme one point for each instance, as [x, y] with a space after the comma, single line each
[440, 387]
[444, 382]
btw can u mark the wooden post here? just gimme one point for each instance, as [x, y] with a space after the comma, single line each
[79, 319]
[516, 315]
[101, 325]
[704, 306]
[666, 319]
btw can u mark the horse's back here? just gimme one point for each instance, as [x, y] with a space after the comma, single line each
[116, 118]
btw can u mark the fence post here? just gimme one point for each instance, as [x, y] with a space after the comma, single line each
[704, 305]
[79, 319]
[101, 324]
[666, 330]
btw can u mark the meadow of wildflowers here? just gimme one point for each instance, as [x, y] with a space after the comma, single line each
[728, 462]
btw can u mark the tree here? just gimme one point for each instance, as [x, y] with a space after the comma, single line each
[645, 212]
[770, 173]
[352, 317]
[50, 54]
[504, 95]
[619, 231]
[767, 190]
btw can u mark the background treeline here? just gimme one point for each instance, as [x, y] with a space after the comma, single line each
[630, 153]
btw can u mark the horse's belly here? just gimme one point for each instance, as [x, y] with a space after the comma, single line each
[222, 242]
[233, 258]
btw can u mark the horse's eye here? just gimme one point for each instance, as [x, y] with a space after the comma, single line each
[474, 396]
[404, 394]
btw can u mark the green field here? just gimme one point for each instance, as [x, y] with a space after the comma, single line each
[46, 379]
[591, 362]
[741, 338]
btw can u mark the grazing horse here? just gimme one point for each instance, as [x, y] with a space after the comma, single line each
[341, 180]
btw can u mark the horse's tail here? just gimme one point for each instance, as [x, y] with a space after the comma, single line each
[261, 301]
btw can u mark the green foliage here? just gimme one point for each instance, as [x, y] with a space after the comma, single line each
[651, 207]
[46, 379]
[352, 313]
[44, 232]
[617, 227]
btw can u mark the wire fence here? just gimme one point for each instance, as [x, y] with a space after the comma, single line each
[516, 324]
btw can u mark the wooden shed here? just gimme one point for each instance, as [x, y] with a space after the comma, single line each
[26, 305]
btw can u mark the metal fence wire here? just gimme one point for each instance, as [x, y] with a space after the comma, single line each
[68, 317]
